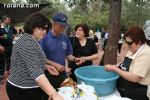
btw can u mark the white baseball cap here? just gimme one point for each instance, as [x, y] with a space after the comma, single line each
[146, 28]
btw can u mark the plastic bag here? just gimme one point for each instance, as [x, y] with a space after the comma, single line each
[80, 92]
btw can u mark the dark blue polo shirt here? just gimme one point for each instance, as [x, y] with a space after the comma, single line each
[56, 48]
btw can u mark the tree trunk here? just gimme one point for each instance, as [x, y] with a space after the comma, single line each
[110, 55]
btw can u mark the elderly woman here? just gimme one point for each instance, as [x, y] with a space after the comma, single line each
[28, 63]
[134, 71]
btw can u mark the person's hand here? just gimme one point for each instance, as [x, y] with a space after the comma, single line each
[110, 67]
[2, 49]
[78, 61]
[56, 96]
[59, 67]
[52, 70]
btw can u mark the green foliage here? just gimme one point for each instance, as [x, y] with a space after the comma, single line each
[96, 12]
[135, 12]
[55, 6]
[5, 1]
[75, 19]
[40, 1]
[95, 15]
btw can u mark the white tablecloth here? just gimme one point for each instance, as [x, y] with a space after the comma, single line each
[114, 96]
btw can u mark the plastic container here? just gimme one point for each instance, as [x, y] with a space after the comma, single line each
[104, 82]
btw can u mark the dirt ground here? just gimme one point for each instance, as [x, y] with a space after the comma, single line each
[3, 94]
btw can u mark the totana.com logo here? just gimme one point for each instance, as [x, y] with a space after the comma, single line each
[21, 5]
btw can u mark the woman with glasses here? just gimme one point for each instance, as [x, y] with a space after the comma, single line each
[28, 63]
[134, 71]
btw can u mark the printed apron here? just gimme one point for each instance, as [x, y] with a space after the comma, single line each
[134, 91]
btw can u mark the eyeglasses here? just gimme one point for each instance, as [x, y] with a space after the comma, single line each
[129, 42]
[42, 29]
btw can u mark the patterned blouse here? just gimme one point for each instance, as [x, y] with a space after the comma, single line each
[27, 62]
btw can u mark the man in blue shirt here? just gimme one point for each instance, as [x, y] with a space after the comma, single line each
[56, 45]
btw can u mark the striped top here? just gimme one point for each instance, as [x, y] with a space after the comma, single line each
[27, 62]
